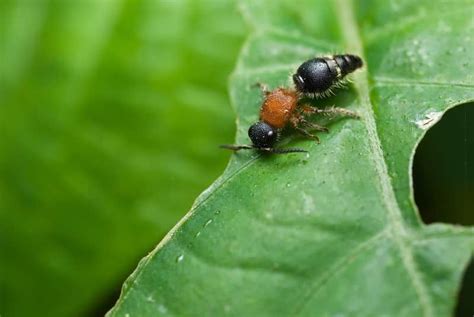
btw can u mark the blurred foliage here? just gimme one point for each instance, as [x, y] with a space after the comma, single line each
[110, 117]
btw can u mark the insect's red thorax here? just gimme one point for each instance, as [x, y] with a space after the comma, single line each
[278, 107]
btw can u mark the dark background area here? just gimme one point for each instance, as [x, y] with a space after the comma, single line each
[443, 169]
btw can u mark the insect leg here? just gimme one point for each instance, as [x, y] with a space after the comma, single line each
[296, 121]
[314, 126]
[332, 111]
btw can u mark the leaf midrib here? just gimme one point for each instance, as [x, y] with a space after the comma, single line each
[350, 30]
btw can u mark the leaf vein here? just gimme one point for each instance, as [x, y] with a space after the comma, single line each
[386, 81]
[246, 265]
[400, 24]
[338, 267]
[350, 31]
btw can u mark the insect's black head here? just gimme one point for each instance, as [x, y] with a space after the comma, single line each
[263, 135]
[314, 76]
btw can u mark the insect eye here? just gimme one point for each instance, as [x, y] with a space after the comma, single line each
[263, 135]
[299, 82]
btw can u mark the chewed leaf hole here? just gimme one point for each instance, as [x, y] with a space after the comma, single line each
[465, 305]
[443, 169]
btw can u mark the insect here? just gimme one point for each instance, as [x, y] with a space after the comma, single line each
[281, 108]
[317, 76]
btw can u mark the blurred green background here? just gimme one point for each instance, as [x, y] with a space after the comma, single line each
[110, 116]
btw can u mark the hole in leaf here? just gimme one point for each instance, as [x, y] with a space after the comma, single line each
[443, 169]
[465, 306]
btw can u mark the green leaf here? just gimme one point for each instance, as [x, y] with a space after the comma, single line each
[95, 101]
[335, 233]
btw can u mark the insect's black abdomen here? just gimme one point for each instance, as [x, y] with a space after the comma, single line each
[314, 76]
[348, 63]
[318, 75]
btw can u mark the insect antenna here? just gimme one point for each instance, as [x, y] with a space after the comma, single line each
[237, 147]
[263, 149]
[285, 151]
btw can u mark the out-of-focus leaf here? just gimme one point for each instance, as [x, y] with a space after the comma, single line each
[110, 117]
[337, 233]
